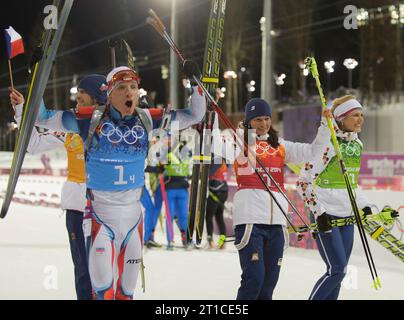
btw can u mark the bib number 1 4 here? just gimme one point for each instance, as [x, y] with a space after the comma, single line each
[121, 180]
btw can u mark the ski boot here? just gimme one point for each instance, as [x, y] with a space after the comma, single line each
[210, 244]
[184, 239]
[221, 242]
[170, 246]
[152, 244]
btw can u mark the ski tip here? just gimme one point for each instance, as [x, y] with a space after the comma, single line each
[377, 284]
[3, 212]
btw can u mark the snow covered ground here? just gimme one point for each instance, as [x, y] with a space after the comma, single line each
[36, 263]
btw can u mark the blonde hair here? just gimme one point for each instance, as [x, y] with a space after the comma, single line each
[341, 100]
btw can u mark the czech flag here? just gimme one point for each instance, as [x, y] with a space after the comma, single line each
[14, 43]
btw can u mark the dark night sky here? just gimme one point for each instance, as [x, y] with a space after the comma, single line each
[89, 21]
[92, 20]
[336, 44]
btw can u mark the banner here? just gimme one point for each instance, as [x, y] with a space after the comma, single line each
[382, 171]
[382, 165]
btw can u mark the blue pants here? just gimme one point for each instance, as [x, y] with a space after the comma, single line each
[260, 261]
[151, 215]
[74, 225]
[178, 206]
[335, 249]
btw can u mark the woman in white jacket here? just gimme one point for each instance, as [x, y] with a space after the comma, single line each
[330, 198]
[260, 226]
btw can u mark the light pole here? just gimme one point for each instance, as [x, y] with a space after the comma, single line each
[230, 75]
[73, 89]
[303, 76]
[173, 58]
[329, 67]
[251, 88]
[266, 52]
[241, 75]
[279, 81]
[350, 64]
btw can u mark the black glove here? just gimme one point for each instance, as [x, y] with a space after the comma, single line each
[143, 102]
[36, 57]
[324, 223]
[190, 69]
[154, 169]
[367, 211]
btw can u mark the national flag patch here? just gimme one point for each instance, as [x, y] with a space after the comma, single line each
[99, 250]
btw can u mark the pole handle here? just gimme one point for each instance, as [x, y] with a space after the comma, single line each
[311, 64]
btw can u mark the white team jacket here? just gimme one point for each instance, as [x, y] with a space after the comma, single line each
[255, 206]
[333, 201]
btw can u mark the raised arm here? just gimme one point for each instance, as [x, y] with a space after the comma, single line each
[302, 152]
[57, 120]
[38, 143]
[224, 143]
[194, 113]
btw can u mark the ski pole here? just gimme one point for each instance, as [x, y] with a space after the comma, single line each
[158, 25]
[170, 231]
[155, 21]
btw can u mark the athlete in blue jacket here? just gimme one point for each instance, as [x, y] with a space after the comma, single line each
[115, 163]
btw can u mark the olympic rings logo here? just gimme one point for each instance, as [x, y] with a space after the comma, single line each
[262, 148]
[351, 149]
[115, 134]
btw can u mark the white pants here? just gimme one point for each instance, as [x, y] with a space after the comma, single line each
[116, 247]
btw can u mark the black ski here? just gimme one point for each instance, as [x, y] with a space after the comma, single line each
[200, 170]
